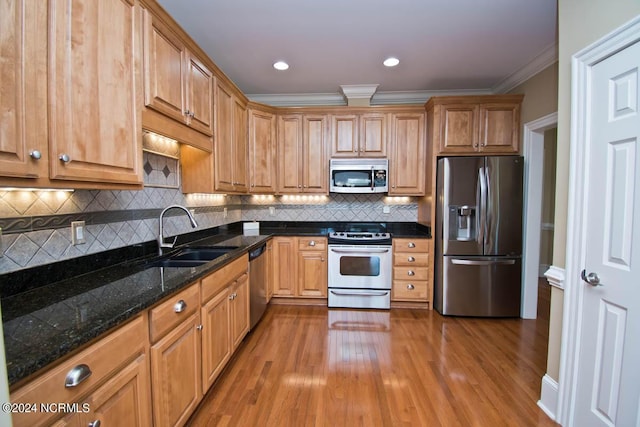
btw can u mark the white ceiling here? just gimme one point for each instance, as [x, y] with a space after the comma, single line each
[446, 46]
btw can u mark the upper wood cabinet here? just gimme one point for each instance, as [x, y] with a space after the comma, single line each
[407, 157]
[359, 135]
[475, 124]
[230, 147]
[177, 85]
[262, 152]
[302, 153]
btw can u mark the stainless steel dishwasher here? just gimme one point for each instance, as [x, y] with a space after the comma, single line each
[257, 283]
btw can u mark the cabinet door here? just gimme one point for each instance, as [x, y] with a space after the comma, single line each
[96, 132]
[315, 164]
[407, 157]
[290, 153]
[499, 128]
[223, 141]
[239, 147]
[23, 117]
[262, 152]
[175, 374]
[459, 129]
[216, 338]
[239, 310]
[269, 277]
[373, 135]
[199, 81]
[344, 135]
[312, 274]
[284, 266]
[164, 62]
[124, 400]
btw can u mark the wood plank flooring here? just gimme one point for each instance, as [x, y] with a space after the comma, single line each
[311, 366]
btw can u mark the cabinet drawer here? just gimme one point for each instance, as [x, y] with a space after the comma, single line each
[410, 245]
[102, 359]
[410, 258]
[410, 290]
[167, 315]
[217, 281]
[312, 243]
[410, 273]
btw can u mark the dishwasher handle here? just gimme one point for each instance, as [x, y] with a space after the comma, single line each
[255, 253]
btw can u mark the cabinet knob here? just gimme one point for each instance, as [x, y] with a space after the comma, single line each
[95, 423]
[253, 185]
[410, 287]
[180, 306]
[393, 186]
[312, 243]
[411, 245]
[35, 155]
[77, 375]
[322, 259]
[199, 327]
[65, 158]
[304, 186]
[475, 145]
[187, 113]
[299, 186]
[411, 259]
[411, 273]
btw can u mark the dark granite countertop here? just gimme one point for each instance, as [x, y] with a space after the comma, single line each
[52, 310]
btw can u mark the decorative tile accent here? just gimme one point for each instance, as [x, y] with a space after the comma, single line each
[160, 171]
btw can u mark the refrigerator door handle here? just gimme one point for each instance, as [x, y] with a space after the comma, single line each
[483, 206]
[482, 262]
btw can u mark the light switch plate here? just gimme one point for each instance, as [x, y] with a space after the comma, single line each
[77, 233]
[272, 210]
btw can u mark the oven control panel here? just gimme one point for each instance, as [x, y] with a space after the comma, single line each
[359, 237]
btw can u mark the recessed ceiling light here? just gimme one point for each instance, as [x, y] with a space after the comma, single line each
[391, 62]
[281, 65]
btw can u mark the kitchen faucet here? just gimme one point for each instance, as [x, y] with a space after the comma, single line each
[161, 242]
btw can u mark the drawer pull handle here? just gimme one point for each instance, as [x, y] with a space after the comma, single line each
[95, 423]
[410, 287]
[411, 259]
[77, 375]
[411, 273]
[411, 245]
[180, 306]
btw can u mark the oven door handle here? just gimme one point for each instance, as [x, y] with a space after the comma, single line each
[361, 251]
[360, 294]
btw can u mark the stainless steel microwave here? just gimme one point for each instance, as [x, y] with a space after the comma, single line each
[359, 176]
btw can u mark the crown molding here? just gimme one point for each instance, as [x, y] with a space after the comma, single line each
[546, 58]
[337, 99]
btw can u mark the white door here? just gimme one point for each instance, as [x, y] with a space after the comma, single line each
[608, 352]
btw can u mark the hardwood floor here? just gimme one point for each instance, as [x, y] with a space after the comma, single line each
[311, 366]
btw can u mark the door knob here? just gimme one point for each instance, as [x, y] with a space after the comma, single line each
[591, 278]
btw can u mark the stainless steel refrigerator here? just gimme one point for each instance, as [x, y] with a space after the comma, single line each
[478, 233]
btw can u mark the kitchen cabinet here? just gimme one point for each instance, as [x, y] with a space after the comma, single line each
[114, 374]
[302, 153]
[411, 272]
[475, 124]
[225, 317]
[407, 157]
[178, 85]
[230, 146]
[262, 152]
[300, 267]
[359, 135]
[176, 357]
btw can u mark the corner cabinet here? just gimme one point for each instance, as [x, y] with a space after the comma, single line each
[407, 154]
[230, 146]
[302, 154]
[475, 124]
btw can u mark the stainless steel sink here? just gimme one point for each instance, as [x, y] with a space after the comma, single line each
[192, 257]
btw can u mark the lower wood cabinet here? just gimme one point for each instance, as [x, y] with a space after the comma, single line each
[216, 338]
[300, 267]
[411, 270]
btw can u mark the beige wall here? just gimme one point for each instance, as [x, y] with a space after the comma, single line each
[540, 94]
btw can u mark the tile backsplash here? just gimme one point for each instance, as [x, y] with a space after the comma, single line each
[36, 224]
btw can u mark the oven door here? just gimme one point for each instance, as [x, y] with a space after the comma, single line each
[359, 267]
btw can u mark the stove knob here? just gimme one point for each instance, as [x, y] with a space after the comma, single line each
[377, 234]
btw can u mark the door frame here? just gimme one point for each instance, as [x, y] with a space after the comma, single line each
[581, 98]
[533, 183]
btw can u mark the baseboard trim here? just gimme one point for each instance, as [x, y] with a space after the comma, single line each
[549, 396]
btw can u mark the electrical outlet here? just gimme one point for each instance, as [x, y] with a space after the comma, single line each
[272, 210]
[77, 233]
[224, 213]
[386, 209]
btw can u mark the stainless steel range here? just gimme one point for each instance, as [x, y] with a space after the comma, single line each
[360, 264]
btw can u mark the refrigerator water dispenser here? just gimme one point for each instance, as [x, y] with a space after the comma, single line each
[462, 223]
